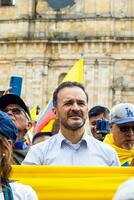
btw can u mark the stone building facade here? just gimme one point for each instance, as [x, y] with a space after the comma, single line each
[41, 43]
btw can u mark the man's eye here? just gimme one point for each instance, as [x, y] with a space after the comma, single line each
[93, 124]
[81, 103]
[68, 103]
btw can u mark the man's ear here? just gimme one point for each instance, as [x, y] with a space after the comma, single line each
[29, 125]
[55, 112]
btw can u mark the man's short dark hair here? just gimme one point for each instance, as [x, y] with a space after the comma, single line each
[97, 110]
[41, 134]
[67, 85]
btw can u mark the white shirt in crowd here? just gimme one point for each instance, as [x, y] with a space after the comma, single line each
[21, 192]
[57, 150]
[125, 190]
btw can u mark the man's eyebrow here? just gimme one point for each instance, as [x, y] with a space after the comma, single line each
[81, 100]
[67, 100]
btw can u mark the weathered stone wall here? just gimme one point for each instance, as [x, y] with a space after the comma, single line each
[40, 44]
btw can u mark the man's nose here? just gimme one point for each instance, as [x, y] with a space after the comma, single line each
[131, 131]
[75, 106]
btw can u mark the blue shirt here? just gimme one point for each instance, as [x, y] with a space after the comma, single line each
[59, 151]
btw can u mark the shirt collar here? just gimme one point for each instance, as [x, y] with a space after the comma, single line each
[62, 140]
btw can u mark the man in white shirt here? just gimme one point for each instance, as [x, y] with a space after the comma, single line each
[72, 146]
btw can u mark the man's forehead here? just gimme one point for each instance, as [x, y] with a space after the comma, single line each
[99, 116]
[71, 99]
[68, 91]
[13, 106]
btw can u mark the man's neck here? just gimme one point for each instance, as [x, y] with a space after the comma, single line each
[73, 136]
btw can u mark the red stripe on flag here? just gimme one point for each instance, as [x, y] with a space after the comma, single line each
[50, 115]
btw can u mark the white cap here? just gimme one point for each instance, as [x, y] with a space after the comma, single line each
[122, 113]
[125, 191]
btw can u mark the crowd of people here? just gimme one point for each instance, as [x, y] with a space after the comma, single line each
[108, 141]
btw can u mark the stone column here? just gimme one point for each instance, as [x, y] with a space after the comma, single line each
[118, 86]
[40, 82]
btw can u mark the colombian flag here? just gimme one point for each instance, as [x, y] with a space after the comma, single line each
[46, 120]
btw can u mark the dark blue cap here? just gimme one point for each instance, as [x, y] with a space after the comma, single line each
[7, 99]
[7, 127]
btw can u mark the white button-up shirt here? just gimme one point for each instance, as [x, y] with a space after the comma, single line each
[59, 151]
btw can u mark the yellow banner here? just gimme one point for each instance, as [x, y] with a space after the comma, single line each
[72, 183]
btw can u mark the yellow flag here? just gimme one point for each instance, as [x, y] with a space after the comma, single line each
[33, 113]
[49, 126]
[76, 72]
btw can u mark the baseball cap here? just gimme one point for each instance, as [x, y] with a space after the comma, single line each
[7, 99]
[7, 127]
[122, 113]
[125, 191]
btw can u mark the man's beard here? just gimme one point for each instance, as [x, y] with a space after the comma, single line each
[73, 127]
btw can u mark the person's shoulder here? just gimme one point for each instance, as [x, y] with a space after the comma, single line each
[128, 183]
[125, 190]
[38, 152]
[45, 143]
[19, 186]
[101, 144]
[20, 189]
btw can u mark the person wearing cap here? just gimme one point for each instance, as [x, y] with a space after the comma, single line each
[125, 190]
[121, 137]
[17, 110]
[10, 190]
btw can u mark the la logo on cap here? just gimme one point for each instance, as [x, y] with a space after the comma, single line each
[129, 112]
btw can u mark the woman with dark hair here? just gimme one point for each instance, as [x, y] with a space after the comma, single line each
[10, 190]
